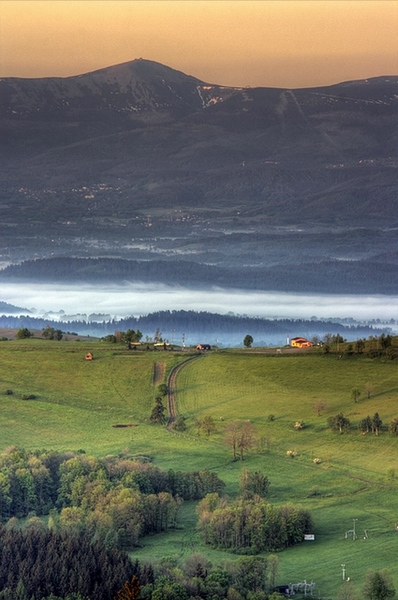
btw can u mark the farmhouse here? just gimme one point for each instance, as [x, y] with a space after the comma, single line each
[203, 347]
[300, 342]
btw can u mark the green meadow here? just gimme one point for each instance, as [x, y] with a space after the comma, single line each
[78, 403]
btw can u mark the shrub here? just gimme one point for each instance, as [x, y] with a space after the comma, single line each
[179, 424]
[24, 333]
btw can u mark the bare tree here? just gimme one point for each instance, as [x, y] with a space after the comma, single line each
[232, 436]
[208, 425]
[247, 438]
[319, 406]
[347, 592]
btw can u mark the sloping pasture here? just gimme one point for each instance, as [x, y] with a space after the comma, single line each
[78, 402]
[356, 478]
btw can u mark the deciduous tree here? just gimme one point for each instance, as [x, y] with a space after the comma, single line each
[385, 341]
[355, 393]
[378, 586]
[130, 590]
[240, 436]
[365, 425]
[253, 483]
[393, 427]
[163, 389]
[231, 436]
[320, 406]
[339, 423]
[248, 341]
[24, 333]
[359, 346]
[247, 438]
[376, 423]
[208, 425]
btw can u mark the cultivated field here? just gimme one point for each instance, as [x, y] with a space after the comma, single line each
[77, 404]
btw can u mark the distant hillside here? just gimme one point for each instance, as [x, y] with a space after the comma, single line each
[197, 327]
[354, 277]
[11, 309]
[138, 160]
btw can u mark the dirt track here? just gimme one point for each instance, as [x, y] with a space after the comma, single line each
[171, 392]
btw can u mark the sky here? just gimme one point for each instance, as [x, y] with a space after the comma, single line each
[271, 43]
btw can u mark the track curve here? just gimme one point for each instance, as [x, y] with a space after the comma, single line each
[171, 390]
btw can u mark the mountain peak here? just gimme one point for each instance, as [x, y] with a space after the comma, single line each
[142, 68]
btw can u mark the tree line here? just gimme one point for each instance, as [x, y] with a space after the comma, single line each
[194, 325]
[373, 425]
[329, 276]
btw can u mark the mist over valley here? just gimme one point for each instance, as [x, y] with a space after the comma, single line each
[219, 315]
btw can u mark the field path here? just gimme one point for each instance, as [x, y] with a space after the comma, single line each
[171, 387]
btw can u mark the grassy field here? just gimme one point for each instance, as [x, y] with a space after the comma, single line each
[77, 402]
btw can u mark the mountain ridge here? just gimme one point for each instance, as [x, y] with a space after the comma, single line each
[140, 154]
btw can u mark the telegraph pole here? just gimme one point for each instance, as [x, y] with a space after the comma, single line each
[354, 535]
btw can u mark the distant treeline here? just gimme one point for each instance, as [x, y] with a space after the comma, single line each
[328, 276]
[199, 327]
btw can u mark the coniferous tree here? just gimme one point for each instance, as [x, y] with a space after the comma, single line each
[158, 416]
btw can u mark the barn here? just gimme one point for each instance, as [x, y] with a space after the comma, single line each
[300, 342]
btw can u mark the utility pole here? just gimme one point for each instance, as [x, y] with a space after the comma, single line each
[343, 567]
[354, 535]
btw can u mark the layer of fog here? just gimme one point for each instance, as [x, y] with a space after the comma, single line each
[118, 301]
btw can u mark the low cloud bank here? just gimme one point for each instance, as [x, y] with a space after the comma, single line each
[126, 300]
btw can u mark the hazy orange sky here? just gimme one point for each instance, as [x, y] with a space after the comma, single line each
[277, 43]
